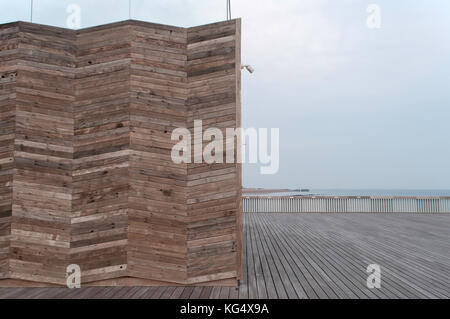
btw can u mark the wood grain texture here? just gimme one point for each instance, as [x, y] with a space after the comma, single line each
[213, 191]
[43, 149]
[157, 202]
[313, 256]
[85, 163]
[9, 43]
[101, 157]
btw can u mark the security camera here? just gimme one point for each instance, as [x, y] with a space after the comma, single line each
[248, 68]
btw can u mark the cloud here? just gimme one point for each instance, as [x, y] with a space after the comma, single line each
[355, 107]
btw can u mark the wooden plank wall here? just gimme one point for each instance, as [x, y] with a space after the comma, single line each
[157, 202]
[213, 192]
[101, 156]
[43, 154]
[9, 43]
[94, 183]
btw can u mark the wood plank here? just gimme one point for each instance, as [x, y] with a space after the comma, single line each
[85, 154]
[301, 247]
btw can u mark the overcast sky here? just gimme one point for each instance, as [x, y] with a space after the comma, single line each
[356, 107]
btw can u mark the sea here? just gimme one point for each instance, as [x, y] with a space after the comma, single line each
[361, 192]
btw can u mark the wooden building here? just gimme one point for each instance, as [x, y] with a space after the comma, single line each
[86, 175]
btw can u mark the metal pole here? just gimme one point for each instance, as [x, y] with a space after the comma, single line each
[129, 9]
[31, 13]
[228, 9]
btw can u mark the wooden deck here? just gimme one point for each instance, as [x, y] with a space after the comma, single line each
[317, 256]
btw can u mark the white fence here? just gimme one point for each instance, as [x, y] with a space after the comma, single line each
[345, 204]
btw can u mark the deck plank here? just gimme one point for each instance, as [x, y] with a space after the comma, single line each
[315, 256]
